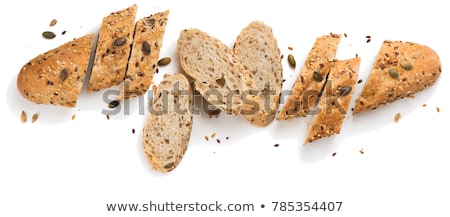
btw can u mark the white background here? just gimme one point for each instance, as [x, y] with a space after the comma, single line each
[62, 167]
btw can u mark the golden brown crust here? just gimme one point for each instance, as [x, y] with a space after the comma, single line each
[148, 38]
[335, 100]
[56, 77]
[113, 49]
[307, 87]
[417, 67]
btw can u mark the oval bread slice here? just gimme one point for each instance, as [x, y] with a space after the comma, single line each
[258, 51]
[401, 69]
[56, 77]
[168, 129]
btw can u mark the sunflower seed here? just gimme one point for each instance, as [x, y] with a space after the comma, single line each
[291, 60]
[120, 41]
[48, 35]
[397, 117]
[146, 48]
[164, 61]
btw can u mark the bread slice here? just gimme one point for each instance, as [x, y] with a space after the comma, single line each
[258, 51]
[168, 129]
[335, 100]
[56, 77]
[217, 72]
[401, 69]
[148, 38]
[113, 49]
[311, 79]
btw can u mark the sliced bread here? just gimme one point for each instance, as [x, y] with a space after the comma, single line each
[401, 69]
[335, 100]
[148, 38]
[258, 51]
[168, 129]
[113, 49]
[309, 83]
[56, 77]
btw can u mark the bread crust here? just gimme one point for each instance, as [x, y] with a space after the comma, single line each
[306, 88]
[56, 77]
[113, 49]
[417, 67]
[335, 100]
[147, 43]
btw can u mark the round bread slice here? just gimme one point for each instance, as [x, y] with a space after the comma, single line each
[168, 129]
[56, 77]
[258, 51]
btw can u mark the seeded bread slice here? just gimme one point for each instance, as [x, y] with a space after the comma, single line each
[113, 49]
[217, 72]
[335, 100]
[168, 129]
[148, 38]
[311, 79]
[401, 69]
[258, 51]
[56, 77]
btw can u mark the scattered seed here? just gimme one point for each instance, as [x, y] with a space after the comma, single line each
[334, 154]
[227, 138]
[63, 75]
[281, 56]
[284, 80]
[113, 104]
[359, 81]
[291, 60]
[120, 41]
[213, 135]
[368, 36]
[343, 91]
[63, 32]
[368, 40]
[345, 35]
[424, 105]
[438, 109]
[290, 48]
[23, 117]
[397, 117]
[164, 61]
[206, 138]
[317, 76]
[393, 73]
[276, 145]
[133, 130]
[48, 35]
[73, 117]
[361, 151]
[146, 48]
[34, 117]
[169, 166]
[218, 141]
[406, 65]
[107, 117]
[53, 22]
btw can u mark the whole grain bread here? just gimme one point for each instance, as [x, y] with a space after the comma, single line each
[168, 129]
[113, 49]
[335, 100]
[217, 72]
[311, 79]
[56, 77]
[258, 51]
[401, 69]
[147, 43]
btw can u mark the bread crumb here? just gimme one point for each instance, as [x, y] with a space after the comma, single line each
[397, 117]
[438, 109]
[411, 96]
[361, 151]
[34, 117]
[73, 117]
[213, 135]
[206, 138]
[23, 117]
[334, 154]
[276, 145]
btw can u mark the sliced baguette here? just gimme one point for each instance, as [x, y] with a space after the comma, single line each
[168, 129]
[401, 69]
[56, 77]
[113, 49]
[147, 43]
[335, 100]
[217, 72]
[258, 51]
[307, 87]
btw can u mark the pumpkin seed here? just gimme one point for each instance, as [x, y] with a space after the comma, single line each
[146, 48]
[63, 75]
[291, 60]
[23, 117]
[48, 35]
[150, 22]
[113, 104]
[406, 65]
[34, 117]
[343, 91]
[393, 73]
[53, 22]
[120, 41]
[164, 61]
[317, 76]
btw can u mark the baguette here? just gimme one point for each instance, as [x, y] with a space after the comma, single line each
[258, 51]
[309, 83]
[217, 72]
[168, 129]
[56, 77]
[401, 69]
[335, 100]
[148, 38]
[113, 49]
